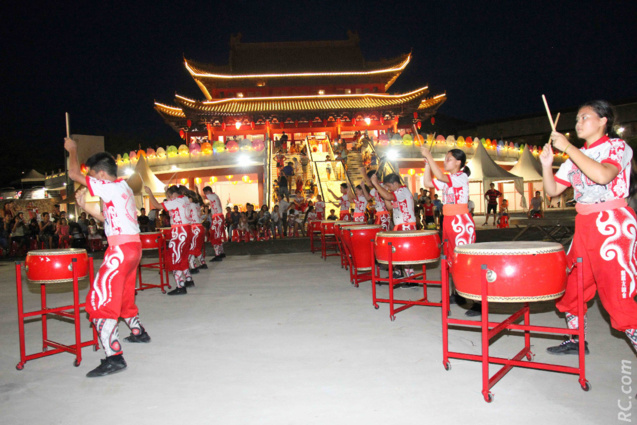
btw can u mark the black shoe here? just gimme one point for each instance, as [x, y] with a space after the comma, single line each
[475, 310]
[142, 337]
[189, 283]
[203, 267]
[180, 290]
[217, 258]
[108, 366]
[222, 255]
[567, 347]
[456, 298]
[194, 271]
[397, 274]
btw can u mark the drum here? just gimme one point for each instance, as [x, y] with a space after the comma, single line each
[315, 226]
[151, 240]
[327, 226]
[516, 271]
[340, 224]
[408, 247]
[166, 231]
[54, 265]
[358, 240]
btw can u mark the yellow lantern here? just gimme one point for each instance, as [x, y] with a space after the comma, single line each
[198, 180]
[245, 179]
[229, 177]
[411, 171]
[234, 183]
[213, 179]
[184, 181]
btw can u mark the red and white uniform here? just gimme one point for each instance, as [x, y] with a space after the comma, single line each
[382, 215]
[360, 205]
[112, 292]
[457, 229]
[216, 228]
[343, 204]
[605, 235]
[403, 205]
[319, 207]
[180, 234]
[198, 231]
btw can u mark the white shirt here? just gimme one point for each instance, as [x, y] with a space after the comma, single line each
[403, 205]
[456, 191]
[177, 210]
[379, 202]
[118, 206]
[215, 203]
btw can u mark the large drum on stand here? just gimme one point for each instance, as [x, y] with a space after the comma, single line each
[151, 240]
[340, 224]
[408, 247]
[55, 265]
[358, 241]
[516, 271]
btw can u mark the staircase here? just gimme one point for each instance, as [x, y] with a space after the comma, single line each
[354, 164]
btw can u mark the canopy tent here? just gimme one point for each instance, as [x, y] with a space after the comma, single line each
[33, 176]
[143, 176]
[527, 167]
[485, 170]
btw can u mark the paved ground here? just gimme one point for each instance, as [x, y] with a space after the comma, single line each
[285, 339]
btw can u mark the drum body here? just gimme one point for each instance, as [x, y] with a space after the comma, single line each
[327, 226]
[516, 271]
[340, 224]
[315, 226]
[408, 247]
[151, 240]
[167, 232]
[358, 241]
[54, 265]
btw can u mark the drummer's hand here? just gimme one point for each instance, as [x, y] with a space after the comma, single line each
[426, 153]
[546, 157]
[70, 144]
[80, 197]
[148, 190]
[560, 142]
[374, 179]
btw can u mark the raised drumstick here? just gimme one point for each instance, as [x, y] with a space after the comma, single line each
[68, 126]
[548, 112]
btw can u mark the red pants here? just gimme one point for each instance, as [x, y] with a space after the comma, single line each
[216, 233]
[178, 247]
[345, 216]
[198, 236]
[112, 292]
[457, 230]
[606, 241]
[359, 217]
[320, 215]
[384, 219]
[404, 227]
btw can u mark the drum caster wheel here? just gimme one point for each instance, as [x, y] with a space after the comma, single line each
[587, 386]
[392, 317]
[530, 356]
[19, 366]
[376, 306]
[163, 291]
[489, 397]
[447, 366]
[76, 363]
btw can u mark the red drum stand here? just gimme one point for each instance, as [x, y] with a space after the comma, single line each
[164, 281]
[50, 347]
[328, 241]
[490, 330]
[418, 278]
[314, 229]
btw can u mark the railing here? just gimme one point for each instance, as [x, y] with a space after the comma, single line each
[267, 174]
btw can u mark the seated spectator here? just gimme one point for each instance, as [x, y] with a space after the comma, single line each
[243, 227]
[63, 233]
[83, 223]
[310, 215]
[332, 215]
[78, 239]
[252, 217]
[236, 217]
[19, 232]
[143, 221]
[47, 231]
[504, 210]
[4, 235]
[276, 221]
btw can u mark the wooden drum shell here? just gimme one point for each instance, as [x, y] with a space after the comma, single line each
[408, 247]
[516, 271]
[54, 265]
[358, 240]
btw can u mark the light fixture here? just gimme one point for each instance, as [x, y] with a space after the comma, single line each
[392, 155]
[368, 121]
[229, 177]
[321, 92]
[620, 130]
[239, 94]
[128, 171]
[237, 125]
[243, 160]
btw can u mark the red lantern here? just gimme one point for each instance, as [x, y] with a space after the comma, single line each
[419, 125]
[296, 123]
[382, 120]
[223, 126]
[182, 134]
[189, 123]
[433, 120]
[415, 115]
[252, 125]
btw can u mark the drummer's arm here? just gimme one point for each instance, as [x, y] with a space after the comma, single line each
[365, 193]
[152, 200]
[74, 172]
[384, 193]
[92, 209]
[433, 168]
[551, 187]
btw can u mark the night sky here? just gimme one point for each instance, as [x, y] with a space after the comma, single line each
[105, 64]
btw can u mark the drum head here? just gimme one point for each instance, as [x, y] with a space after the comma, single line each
[509, 248]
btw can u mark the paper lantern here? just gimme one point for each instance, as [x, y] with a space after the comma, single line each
[150, 153]
[258, 145]
[234, 183]
[119, 159]
[125, 158]
[440, 138]
[451, 140]
[433, 120]
[383, 139]
[189, 123]
[411, 172]
[132, 155]
[419, 140]
[197, 180]
[468, 142]
[84, 169]
[245, 179]
[194, 149]
[213, 179]
[141, 153]
[161, 153]
[183, 150]
[218, 146]
[182, 134]
[206, 148]
[245, 145]
[229, 177]
[408, 140]
[232, 146]
[171, 151]
[184, 181]
[460, 141]
[396, 139]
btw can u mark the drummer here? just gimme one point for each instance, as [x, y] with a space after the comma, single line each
[343, 202]
[196, 259]
[600, 174]
[216, 229]
[458, 226]
[382, 215]
[112, 292]
[319, 206]
[360, 204]
[181, 235]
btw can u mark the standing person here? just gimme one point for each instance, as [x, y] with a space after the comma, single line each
[288, 173]
[471, 206]
[458, 226]
[276, 222]
[283, 186]
[360, 204]
[536, 206]
[491, 197]
[216, 230]
[401, 199]
[284, 206]
[605, 237]
[319, 206]
[382, 214]
[180, 238]
[343, 202]
[196, 258]
[428, 216]
[112, 292]
[143, 220]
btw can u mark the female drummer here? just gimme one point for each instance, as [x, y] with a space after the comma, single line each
[360, 204]
[401, 199]
[605, 227]
[343, 202]
[181, 236]
[382, 215]
[458, 227]
[196, 258]
[112, 292]
[216, 230]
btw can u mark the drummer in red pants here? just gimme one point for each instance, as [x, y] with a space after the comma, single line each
[216, 229]
[343, 202]
[605, 227]
[112, 292]
[458, 227]
[181, 236]
[196, 259]
[382, 215]
[360, 204]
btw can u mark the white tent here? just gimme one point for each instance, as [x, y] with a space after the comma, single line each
[527, 167]
[486, 171]
[33, 176]
[143, 176]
